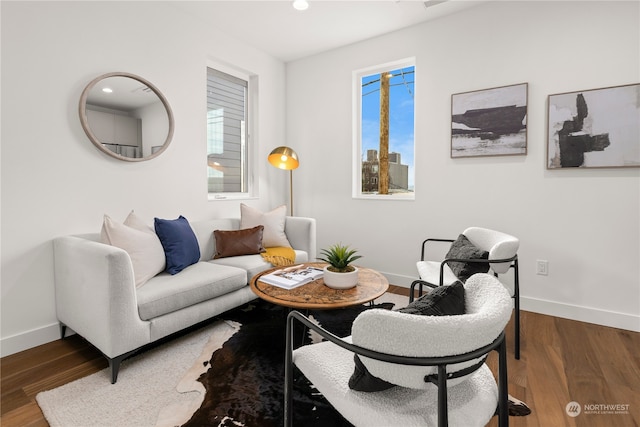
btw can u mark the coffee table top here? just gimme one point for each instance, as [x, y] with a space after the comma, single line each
[315, 295]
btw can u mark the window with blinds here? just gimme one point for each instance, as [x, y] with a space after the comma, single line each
[226, 133]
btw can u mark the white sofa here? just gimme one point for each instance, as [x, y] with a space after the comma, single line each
[96, 294]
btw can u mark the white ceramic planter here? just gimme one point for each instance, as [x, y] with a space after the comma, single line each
[340, 280]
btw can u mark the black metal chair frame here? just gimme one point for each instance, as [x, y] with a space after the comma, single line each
[440, 380]
[516, 283]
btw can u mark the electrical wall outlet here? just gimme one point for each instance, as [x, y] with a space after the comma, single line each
[542, 267]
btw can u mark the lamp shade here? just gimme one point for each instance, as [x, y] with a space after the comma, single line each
[284, 158]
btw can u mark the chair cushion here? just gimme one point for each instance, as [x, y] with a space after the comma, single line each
[329, 367]
[273, 222]
[429, 271]
[462, 248]
[441, 301]
[166, 293]
[488, 308]
[179, 242]
[500, 245]
[238, 242]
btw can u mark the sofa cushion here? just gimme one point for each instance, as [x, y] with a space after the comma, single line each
[199, 282]
[254, 264]
[139, 241]
[179, 242]
[273, 222]
[247, 241]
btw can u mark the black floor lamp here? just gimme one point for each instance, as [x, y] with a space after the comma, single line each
[287, 159]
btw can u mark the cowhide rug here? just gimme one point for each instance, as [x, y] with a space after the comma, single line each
[245, 381]
[245, 384]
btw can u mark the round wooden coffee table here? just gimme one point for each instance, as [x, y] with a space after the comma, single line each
[316, 296]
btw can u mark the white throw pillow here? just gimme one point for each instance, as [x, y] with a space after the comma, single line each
[139, 241]
[134, 221]
[273, 222]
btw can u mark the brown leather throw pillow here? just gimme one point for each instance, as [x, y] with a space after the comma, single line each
[247, 241]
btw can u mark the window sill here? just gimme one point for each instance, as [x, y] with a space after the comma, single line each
[403, 196]
[232, 196]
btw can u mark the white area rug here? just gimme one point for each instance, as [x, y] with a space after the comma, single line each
[157, 388]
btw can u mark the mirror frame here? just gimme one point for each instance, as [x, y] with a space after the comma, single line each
[87, 129]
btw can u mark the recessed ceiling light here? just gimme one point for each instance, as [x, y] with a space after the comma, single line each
[300, 4]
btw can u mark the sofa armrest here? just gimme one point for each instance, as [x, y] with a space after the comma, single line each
[95, 295]
[301, 233]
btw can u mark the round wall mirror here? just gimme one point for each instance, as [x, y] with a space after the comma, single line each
[126, 117]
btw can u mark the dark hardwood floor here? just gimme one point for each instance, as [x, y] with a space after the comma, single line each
[562, 361]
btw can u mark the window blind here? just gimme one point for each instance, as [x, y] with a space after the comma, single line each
[226, 132]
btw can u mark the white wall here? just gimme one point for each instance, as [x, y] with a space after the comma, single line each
[55, 182]
[584, 222]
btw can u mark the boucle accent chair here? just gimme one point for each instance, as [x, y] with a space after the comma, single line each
[476, 250]
[436, 363]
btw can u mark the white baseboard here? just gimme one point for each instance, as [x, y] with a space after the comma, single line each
[29, 339]
[583, 314]
[398, 280]
[596, 316]
[35, 337]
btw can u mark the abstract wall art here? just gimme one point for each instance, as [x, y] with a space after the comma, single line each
[489, 122]
[594, 128]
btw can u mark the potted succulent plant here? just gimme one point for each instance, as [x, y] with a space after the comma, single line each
[340, 274]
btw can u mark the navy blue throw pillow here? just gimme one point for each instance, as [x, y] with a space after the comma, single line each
[179, 243]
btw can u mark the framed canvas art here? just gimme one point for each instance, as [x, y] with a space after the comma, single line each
[594, 128]
[489, 122]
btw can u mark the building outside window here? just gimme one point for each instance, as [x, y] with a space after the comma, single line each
[384, 134]
[227, 135]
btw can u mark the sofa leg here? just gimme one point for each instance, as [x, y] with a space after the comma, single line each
[114, 366]
[63, 330]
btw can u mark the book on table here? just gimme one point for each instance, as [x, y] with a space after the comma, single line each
[292, 277]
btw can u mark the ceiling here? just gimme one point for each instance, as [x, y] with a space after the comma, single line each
[275, 27]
